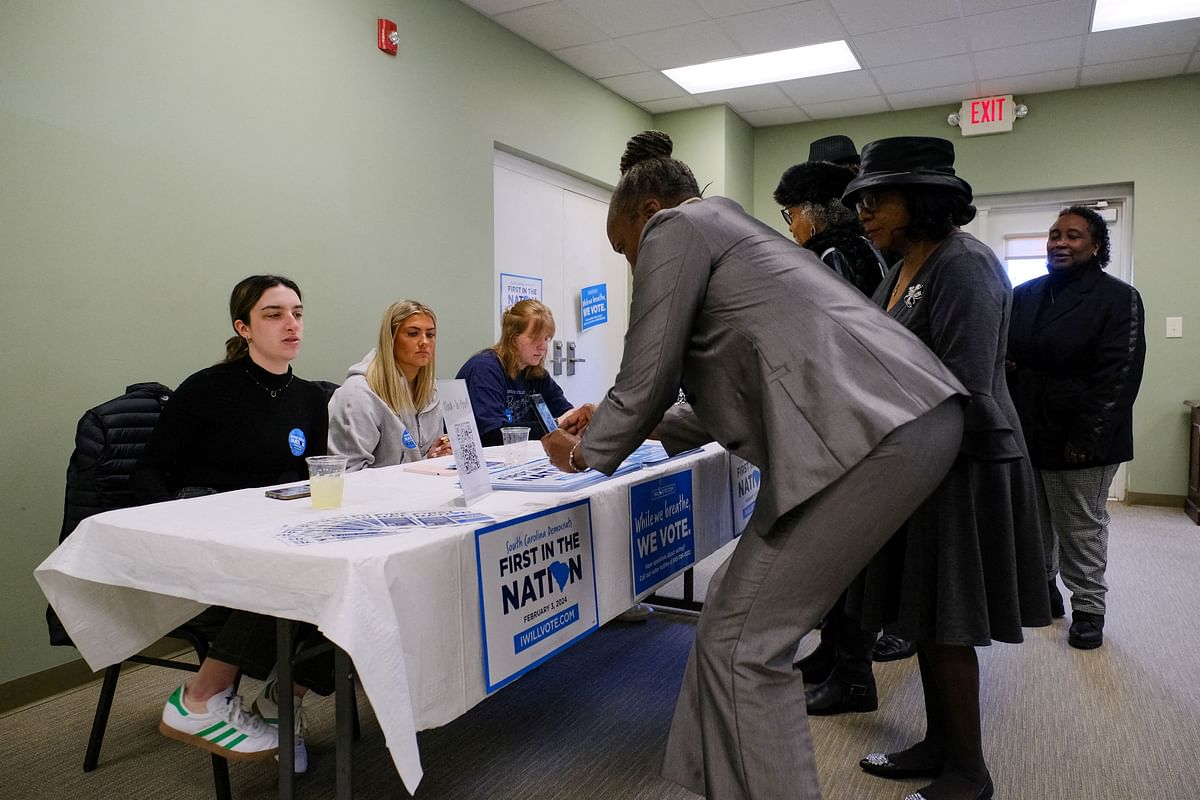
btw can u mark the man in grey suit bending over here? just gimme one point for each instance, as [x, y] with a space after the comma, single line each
[850, 418]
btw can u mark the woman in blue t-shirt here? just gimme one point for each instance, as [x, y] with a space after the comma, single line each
[501, 378]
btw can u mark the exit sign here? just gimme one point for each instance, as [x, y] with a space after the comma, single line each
[987, 115]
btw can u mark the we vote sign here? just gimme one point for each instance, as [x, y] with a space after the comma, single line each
[662, 529]
[537, 589]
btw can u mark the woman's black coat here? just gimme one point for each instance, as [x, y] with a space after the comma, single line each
[1079, 346]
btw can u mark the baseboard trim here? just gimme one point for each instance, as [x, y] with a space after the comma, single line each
[39, 687]
[1146, 499]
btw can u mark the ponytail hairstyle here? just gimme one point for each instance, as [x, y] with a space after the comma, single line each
[516, 320]
[385, 378]
[242, 301]
[647, 170]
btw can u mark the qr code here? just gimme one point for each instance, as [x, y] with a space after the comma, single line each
[467, 456]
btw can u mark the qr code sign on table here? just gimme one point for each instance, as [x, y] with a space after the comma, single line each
[468, 457]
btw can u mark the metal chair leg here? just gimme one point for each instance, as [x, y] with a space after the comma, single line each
[108, 690]
[221, 778]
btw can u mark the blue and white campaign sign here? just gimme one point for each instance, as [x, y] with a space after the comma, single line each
[744, 480]
[593, 306]
[661, 529]
[515, 288]
[464, 438]
[537, 589]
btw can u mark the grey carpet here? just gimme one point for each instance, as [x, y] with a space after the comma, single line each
[1122, 722]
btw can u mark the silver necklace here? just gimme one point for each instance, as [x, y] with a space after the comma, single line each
[268, 389]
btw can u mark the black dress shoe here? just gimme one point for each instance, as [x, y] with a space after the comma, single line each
[986, 792]
[1087, 630]
[880, 764]
[1057, 611]
[893, 648]
[834, 697]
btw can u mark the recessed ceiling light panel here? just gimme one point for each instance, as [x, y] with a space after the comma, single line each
[781, 65]
[1113, 14]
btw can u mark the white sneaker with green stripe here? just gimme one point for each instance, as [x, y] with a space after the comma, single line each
[227, 729]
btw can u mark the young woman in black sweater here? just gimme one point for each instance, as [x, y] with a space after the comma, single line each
[245, 422]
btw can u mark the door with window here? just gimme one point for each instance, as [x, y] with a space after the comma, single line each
[550, 229]
[1015, 226]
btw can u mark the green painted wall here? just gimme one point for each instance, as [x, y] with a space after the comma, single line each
[719, 147]
[153, 153]
[1142, 133]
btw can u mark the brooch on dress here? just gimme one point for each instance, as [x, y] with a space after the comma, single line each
[914, 294]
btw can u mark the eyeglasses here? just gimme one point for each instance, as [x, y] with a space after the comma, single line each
[867, 202]
[787, 216]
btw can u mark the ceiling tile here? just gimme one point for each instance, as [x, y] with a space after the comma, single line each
[747, 98]
[925, 74]
[493, 7]
[775, 116]
[826, 88]
[847, 108]
[670, 104]
[601, 59]
[868, 16]
[970, 7]
[1142, 69]
[785, 27]
[729, 8]
[550, 26]
[917, 43]
[1038, 23]
[1029, 59]
[945, 95]
[1142, 42]
[1054, 81]
[623, 17]
[682, 46]
[642, 86]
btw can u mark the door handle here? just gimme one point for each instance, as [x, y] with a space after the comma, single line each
[556, 359]
[572, 360]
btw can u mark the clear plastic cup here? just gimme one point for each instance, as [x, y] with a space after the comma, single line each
[514, 445]
[326, 479]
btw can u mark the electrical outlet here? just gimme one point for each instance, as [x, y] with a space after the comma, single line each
[1174, 327]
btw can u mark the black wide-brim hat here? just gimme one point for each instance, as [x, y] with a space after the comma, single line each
[906, 161]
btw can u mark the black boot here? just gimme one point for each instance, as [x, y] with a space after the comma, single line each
[1087, 630]
[817, 665]
[837, 697]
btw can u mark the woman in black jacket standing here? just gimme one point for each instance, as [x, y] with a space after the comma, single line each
[1076, 348]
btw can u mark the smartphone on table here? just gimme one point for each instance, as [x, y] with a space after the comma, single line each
[289, 492]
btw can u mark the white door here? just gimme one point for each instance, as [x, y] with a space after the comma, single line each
[1015, 227]
[551, 227]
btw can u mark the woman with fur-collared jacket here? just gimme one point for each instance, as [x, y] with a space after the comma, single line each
[387, 411]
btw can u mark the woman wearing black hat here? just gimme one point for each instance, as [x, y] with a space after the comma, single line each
[966, 569]
[811, 196]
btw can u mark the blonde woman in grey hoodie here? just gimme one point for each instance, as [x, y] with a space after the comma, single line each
[387, 410]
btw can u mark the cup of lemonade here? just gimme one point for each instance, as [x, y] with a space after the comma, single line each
[326, 478]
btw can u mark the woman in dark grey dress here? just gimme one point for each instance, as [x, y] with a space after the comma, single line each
[966, 569]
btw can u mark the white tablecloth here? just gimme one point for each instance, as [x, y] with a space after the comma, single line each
[404, 607]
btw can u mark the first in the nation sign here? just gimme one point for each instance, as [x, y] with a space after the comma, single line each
[537, 589]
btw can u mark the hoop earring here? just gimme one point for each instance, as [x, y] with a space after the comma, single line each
[812, 230]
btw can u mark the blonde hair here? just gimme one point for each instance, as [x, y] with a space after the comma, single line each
[385, 378]
[516, 320]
